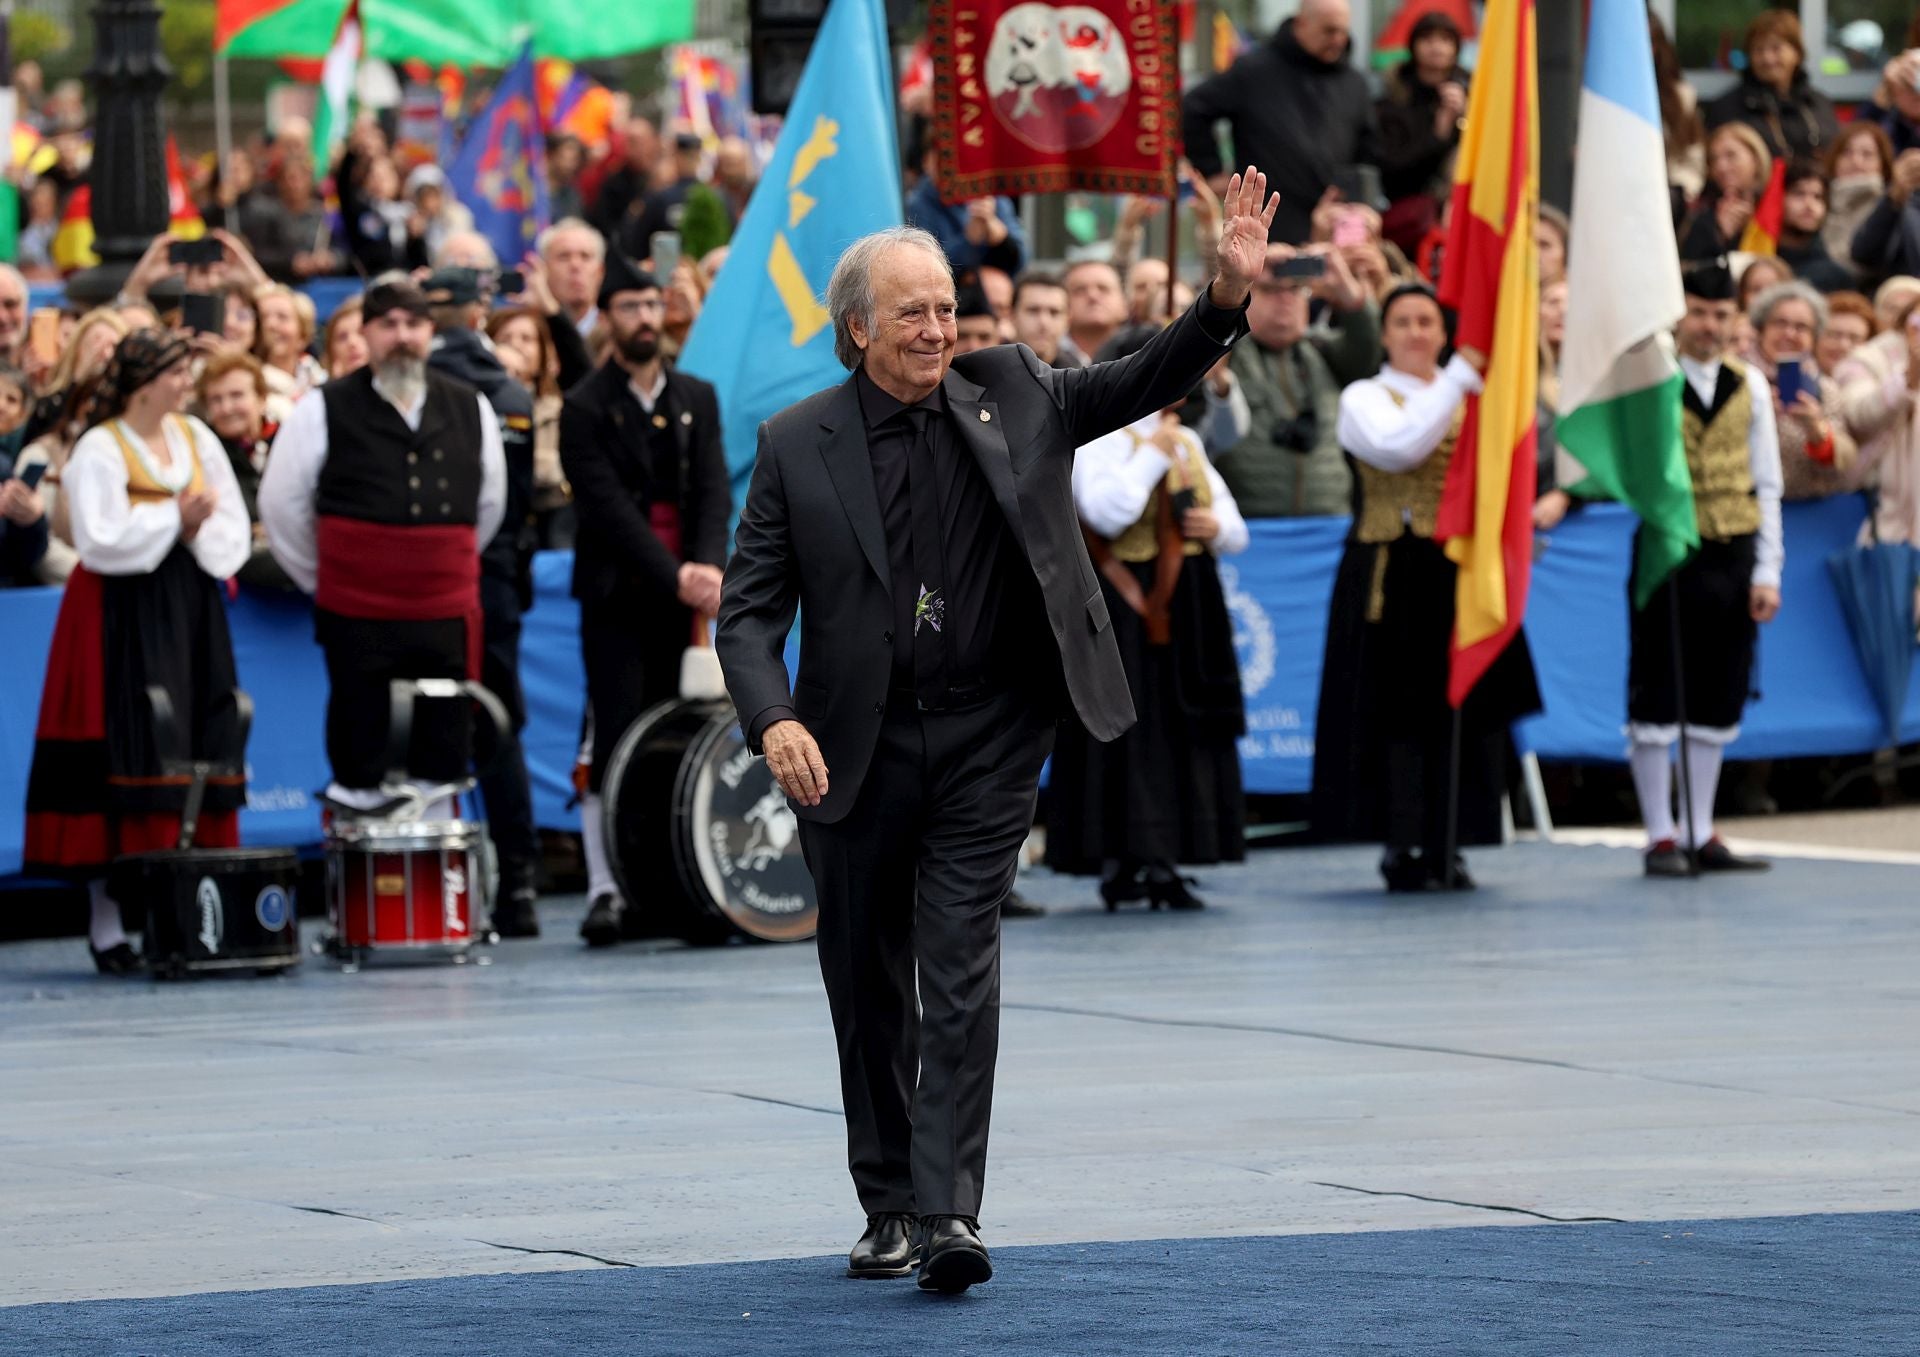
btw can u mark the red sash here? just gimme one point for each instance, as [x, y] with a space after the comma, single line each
[380, 572]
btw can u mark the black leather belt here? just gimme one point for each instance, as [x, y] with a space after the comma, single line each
[954, 697]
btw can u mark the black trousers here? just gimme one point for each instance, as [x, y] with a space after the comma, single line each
[910, 885]
[506, 791]
[631, 653]
[363, 657]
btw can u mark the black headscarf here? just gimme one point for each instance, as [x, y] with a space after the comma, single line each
[139, 358]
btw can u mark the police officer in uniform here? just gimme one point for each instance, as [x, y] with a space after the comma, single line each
[462, 351]
[641, 446]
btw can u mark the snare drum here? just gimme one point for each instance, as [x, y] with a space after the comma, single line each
[405, 885]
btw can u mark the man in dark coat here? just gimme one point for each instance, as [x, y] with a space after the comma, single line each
[1295, 106]
[920, 518]
[506, 585]
[641, 446]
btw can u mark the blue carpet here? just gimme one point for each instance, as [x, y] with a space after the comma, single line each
[1791, 1285]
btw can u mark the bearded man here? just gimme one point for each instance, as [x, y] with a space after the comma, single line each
[380, 492]
[641, 446]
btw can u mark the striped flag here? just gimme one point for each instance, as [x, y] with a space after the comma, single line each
[1619, 385]
[1491, 279]
[342, 62]
[1762, 235]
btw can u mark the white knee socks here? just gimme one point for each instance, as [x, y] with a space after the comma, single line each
[105, 930]
[593, 846]
[1653, 782]
[1703, 775]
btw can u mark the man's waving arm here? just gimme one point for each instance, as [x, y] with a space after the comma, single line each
[1107, 396]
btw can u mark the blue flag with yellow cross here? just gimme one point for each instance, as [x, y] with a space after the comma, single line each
[763, 337]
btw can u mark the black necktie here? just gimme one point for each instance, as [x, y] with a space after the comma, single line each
[930, 674]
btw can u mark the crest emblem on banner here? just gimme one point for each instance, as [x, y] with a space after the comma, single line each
[1058, 75]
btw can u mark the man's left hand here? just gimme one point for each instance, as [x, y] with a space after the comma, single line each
[1763, 602]
[1243, 237]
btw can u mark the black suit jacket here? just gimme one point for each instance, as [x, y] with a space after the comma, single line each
[810, 536]
[617, 551]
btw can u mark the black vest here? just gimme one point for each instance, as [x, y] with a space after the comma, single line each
[380, 471]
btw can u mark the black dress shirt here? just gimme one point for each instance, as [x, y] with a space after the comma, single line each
[975, 551]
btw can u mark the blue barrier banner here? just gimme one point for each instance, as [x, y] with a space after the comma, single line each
[1815, 696]
[326, 293]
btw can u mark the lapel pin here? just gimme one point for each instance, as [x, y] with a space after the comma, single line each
[985, 417]
[659, 421]
[686, 416]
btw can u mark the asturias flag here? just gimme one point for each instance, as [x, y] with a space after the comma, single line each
[1492, 280]
[500, 173]
[763, 337]
[1619, 386]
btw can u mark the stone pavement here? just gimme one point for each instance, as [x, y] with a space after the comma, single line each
[1307, 1056]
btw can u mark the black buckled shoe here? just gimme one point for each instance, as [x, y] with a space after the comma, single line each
[1666, 859]
[1715, 856]
[1168, 890]
[119, 959]
[1452, 878]
[1124, 887]
[887, 1249]
[515, 917]
[601, 927]
[1405, 871]
[953, 1258]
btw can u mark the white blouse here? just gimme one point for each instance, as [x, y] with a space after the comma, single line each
[1116, 474]
[115, 536]
[1398, 437]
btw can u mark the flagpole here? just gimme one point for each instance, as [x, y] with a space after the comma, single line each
[1453, 803]
[1680, 713]
[222, 125]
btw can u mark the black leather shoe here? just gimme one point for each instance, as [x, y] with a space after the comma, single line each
[1168, 890]
[119, 959]
[953, 1256]
[515, 917]
[887, 1249]
[1666, 859]
[1715, 856]
[1017, 906]
[1123, 887]
[1405, 871]
[601, 927]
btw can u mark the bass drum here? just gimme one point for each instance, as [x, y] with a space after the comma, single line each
[699, 836]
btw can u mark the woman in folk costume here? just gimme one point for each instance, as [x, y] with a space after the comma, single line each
[1168, 791]
[158, 522]
[1383, 766]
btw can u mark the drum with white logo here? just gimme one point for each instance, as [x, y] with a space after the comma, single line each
[699, 836]
[408, 886]
[213, 909]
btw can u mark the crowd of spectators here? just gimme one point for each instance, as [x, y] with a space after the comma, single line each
[1363, 169]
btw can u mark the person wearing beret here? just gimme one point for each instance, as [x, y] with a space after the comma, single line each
[382, 489]
[640, 443]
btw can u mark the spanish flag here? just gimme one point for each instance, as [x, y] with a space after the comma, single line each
[1762, 235]
[1491, 279]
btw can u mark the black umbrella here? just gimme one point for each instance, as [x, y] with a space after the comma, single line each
[1876, 585]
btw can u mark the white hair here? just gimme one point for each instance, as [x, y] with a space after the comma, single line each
[466, 250]
[571, 224]
[850, 289]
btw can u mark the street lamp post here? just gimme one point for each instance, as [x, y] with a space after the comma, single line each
[129, 174]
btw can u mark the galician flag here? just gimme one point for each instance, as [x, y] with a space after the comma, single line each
[1492, 280]
[1619, 385]
[342, 63]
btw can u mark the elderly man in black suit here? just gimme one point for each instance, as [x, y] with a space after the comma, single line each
[920, 515]
[640, 443]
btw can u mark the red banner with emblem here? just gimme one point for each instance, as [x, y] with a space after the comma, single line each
[1033, 97]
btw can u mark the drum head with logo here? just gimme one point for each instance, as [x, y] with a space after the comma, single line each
[699, 836]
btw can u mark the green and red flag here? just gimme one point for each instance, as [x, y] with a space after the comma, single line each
[1492, 281]
[465, 32]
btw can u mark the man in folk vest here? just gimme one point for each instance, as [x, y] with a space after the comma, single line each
[1722, 593]
[380, 493]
